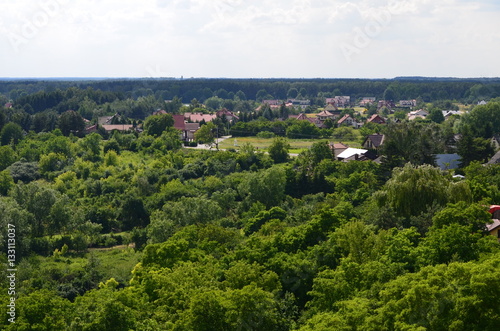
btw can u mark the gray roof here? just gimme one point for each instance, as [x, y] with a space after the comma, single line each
[495, 159]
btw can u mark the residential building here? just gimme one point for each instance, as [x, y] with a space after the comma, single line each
[272, 102]
[332, 109]
[187, 129]
[199, 117]
[366, 101]
[347, 120]
[230, 116]
[417, 114]
[303, 104]
[118, 127]
[389, 104]
[494, 227]
[343, 100]
[408, 103]
[338, 148]
[374, 141]
[375, 118]
[325, 114]
[448, 113]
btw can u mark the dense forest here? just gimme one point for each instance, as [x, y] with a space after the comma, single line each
[133, 231]
[430, 90]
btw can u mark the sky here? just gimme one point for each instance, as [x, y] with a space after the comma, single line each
[249, 39]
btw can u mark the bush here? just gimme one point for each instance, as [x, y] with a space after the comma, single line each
[266, 134]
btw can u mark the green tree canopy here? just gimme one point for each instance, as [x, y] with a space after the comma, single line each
[156, 124]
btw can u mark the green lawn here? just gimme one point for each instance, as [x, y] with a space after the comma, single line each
[296, 145]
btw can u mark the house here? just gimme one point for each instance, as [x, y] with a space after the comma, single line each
[90, 129]
[351, 152]
[118, 127]
[332, 109]
[331, 101]
[179, 122]
[324, 115]
[338, 148]
[494, 227]
[386, 103]
[230, 116]
[339, 101]
[303, 104]
[417, 114]
[159, 112]
[448, 113]
[8, 105]
[347, 120]
[375, 118]
[343, 100]
[318, 122]
[495, 159]
[356, 154]
[104, 120]
[407, 103]
[199, 117]
[374, 141]
[366, 101]
[482, 103]
[187, 129]
[272, 102]
[300, 117]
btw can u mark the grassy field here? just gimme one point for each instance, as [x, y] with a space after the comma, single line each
[297, 145]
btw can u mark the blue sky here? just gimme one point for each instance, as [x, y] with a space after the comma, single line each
[238, 38]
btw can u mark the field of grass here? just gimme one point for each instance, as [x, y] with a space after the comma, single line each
[296, 145]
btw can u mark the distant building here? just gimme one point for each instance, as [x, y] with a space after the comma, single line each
[389, 104]
[332, 109]
[199, 117]
[375, 118]
[338, 148]
[272, 102]
[118, 127]
[408, 103]
[417, 114]
[374, 141]
[104, 120]
[356, 154]
[187, 129]
[448, 113]
[343, 100]
[303, 104]
[494, 227]
[230, 116]
[366, 101]
[348, 121]
[159, 112]
[324, 115]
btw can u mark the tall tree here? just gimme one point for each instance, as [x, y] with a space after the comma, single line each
[278, 150]
[11, 133]
[156, 124]
[71, 122]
